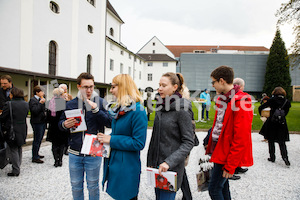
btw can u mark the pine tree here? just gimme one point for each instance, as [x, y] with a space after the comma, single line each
[277, 71]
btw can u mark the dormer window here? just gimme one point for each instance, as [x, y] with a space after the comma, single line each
[92, 2]
[153, 43]
[111, 31]
[90, 29]
[54, 7]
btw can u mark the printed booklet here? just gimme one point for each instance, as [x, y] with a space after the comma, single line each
[168, 180]
[91, 146]
[78, 115]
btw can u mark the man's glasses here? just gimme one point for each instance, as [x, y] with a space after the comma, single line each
[213, 82]
[88, 87]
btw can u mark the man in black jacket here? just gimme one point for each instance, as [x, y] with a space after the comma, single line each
[38, 122]
[6, 86]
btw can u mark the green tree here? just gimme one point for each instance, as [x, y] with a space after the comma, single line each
[277, 71]
[290, 13]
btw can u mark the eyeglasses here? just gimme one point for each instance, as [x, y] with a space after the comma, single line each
[213, 82]
[114, 86]
[88, 87]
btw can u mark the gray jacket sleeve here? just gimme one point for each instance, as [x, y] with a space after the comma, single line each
[184, 120]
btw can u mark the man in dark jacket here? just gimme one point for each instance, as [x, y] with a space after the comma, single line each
[38, 122]
[6, 85]
[96, 117]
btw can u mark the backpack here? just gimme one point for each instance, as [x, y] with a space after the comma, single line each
[279, 115]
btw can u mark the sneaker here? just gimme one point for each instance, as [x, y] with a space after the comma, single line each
[208, 119]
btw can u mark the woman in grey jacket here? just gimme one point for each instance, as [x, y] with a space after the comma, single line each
[172, 136]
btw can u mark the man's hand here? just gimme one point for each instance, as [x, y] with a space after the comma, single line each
[70, 122]
[92, 104]
[163, 167]
[226, 174]
[43, 100]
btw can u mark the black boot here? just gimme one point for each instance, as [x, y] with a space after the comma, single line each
[60, 155]
[55, 155]
[271, 159]
[286, 161]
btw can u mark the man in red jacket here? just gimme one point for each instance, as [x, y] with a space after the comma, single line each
[230, 141]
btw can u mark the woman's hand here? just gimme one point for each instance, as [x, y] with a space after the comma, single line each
[163, 167]
[92, 104]
[102, 138]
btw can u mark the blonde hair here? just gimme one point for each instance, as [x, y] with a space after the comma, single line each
[57, 92]
[127, 90]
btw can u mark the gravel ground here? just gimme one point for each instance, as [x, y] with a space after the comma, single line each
[264, 180]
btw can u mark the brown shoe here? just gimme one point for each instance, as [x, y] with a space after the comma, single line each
[39, 161]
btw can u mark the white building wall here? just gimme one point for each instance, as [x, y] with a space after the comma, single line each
[157, 47]
[115, 24]
[157, 70]
[10, 21]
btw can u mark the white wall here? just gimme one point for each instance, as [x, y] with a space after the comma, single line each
[159, 48]
[10, 20]
[157, 70]
[115, 24]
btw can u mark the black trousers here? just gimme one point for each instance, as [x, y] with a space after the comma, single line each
[185, 188]
[282, 147]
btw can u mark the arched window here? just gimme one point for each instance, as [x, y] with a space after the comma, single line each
[88, 63]
[111, 31]
[54, 7]
[52, 57]
[90, 29]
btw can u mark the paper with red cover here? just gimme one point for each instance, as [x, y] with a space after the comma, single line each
[78, 115]
[91, 146]
[168, 180]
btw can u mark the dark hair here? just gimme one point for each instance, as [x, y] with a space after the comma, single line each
[224, 72]
[7, 77]
[37, 89]
[176, 79]
[17, 93]
[279, 91]
[84, 75]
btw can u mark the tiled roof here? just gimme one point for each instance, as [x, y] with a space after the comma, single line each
[111, 8]
[156, 57]
[178, 49]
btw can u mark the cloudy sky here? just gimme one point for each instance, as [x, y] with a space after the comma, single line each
[200, 22]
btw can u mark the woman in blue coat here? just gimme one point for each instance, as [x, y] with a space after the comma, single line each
[129, 128]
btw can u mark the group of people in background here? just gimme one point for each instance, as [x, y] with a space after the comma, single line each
[173, 136]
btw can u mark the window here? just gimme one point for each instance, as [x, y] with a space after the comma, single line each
[140, 75]
[165, 64]
[199, 51]
[111, 46]
[122, 52]
[111, 65]
[129, 55]
[150, 64]
[149, 77]
[153, 43]
[111, 31]
[92, 2]
[129, 70]
[90, 29]
[52, 58]
[54, 7]
[134, 59]
[88, 63]
[121, 68]
[153, 51]
[140, 62]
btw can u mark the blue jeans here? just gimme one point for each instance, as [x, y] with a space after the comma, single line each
[91, 166]
[38, 134]
[204, 108]
[164, 195]
[218, 186]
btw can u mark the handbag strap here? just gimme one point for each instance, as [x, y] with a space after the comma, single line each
[11, 118]
[283, 104]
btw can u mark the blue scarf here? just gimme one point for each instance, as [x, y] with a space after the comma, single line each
[116, 111]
